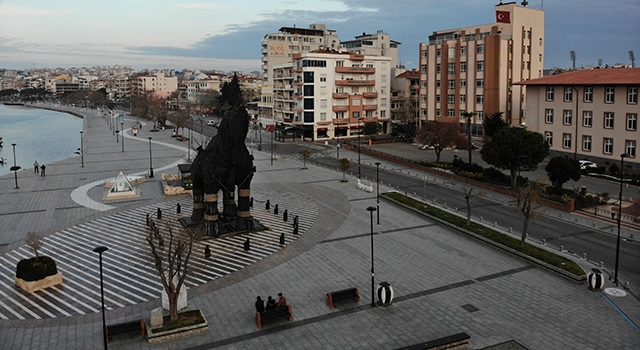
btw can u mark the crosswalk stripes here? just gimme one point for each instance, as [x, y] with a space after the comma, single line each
[129, 274]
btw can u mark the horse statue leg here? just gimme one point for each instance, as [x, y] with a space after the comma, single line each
[211, 216]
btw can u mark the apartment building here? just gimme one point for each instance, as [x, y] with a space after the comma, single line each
[279, 48]
[329, 93]
[405, 89]
[156, 82]
[589, 113]
[194, 89]
[473, 69]
[378, 44]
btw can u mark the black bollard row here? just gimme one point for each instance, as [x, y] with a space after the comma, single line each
[275, 209]
[247, 245]
[159, 213]
[282, 238]
[178, 208]
[285, 215]
[207, 251]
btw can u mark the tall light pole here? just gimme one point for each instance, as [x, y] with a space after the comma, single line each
[101, 250]
[15, 167]
[373, 290]
[378, 191]
[122, 129]
[359, 132]
[575, 120]
[150, 159]
[615, 276]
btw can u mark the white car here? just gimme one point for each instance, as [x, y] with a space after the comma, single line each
[586, 164]
[211, 122]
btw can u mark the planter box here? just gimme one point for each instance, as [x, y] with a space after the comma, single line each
[46, 282]
[154, 336]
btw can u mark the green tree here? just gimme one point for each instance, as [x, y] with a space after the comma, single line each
[515, 149]
[345, 164]
[371, 129]
[493, 123]
[560, 170]
[440, 135]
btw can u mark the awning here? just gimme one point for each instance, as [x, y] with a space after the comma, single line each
[322, 129]
[356, 127]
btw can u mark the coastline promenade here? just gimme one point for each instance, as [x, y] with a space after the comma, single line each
[444, 282]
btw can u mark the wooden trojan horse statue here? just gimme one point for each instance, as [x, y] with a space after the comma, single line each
[222, 166]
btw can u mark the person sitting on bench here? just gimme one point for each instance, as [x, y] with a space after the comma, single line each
[271, 303]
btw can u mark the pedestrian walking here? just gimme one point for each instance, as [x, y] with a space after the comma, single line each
[282, 301]
[259, 305]
[42, 169]
[36, 167]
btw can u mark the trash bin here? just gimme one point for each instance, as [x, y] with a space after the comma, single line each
[595, 279]
[385, 293]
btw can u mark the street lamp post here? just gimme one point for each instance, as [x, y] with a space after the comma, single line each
[101, 250]
[150, 159]
[15, 167]
[615, 276]
[122, 128]
[359, 132]
[378, 192]
[373, 291]
[81, 149]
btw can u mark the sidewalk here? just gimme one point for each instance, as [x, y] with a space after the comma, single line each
[444, 282]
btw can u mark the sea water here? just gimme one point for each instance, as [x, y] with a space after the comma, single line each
[39, 134]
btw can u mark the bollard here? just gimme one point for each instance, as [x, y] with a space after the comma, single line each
[562, 248]
[594, 225]
[455, 209]
[207, 251]
[247, 245]
[285, 215]
[159, 213]
[268, 205]
[510, 229]
[602, 264]
[295, 220]
[584, 256]
[275, 209]
[631, 236]
[444, 205]
[148, 220]
[544, 241]
[626, 285]
[560, 216]
[295, 229]
[576, 220]
[481, 219]
[282, 238]
[495, 224]
[178, 208]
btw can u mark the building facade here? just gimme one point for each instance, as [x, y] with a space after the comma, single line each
[157, 82]
[328, 94]
[587, 114]
[473, 69]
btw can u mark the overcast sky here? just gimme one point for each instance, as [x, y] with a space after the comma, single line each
[225, 35]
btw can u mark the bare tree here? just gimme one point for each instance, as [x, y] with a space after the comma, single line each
[345, 164]
[182, 117]
[305, 153]
[440, 135]
[34, 241]
[171, 247]
[468, 194]
[530, 203]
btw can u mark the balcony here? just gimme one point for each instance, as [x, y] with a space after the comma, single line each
[355, 82]
[340, 95]
[369, 107]
[363, 70]
[371, 94]
[340, 121]
[297, 95]
[340, 108]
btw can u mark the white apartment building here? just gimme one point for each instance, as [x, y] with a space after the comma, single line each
[589, 113]
[378, 44]
[157, 82]
[328, 93]
[196, 88]
[473, 69]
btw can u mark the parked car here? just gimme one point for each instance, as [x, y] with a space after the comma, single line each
[211, 123]
[586, 164]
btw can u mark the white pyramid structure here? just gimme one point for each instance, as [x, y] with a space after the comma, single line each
[121, 188]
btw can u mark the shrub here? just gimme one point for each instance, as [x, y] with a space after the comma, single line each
[36, 269]
[494, 175]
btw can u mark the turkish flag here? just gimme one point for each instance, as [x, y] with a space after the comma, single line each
[503, 16]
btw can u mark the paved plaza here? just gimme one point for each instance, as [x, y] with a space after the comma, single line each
[444, 282]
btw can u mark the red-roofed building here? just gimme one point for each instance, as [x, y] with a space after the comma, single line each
[595, 110]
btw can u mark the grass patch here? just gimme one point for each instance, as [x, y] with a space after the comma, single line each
[495, 236]
[185, 319]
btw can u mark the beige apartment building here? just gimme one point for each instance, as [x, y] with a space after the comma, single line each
[157, 82]
[279, 48]
[473, 69]
[378, 44]
[329, 93]
[587, 114]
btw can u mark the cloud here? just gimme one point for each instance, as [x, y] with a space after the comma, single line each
[13, 10]
[196, 6]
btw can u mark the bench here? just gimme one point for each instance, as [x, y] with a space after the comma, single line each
[126, 327]
[275, 314]
[345, 294]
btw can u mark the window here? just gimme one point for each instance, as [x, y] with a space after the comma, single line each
[323, 116]
[423, 98]
[631, 148]
[463, 50]
[568, 93]
[451, 84]
[479, 83]
[323, 103]
[439, 52]
[323, 78]
[608, 120]
[463, 67]
[438, 68]
[586, 143]
[437, 98]
[549, 93]
[451, 68]
[424, 69]
[480, 66]
[308, 103]
[588, 94]
[451, 99]
[609, 94]
[480, 49]
[437, 112]
[383, 114]
[479, 115]
[568, 116]
[463, 98]
[437, 83]
[608, 146]
[423, 83]
[566, 140]
[463, 83]
[355, 115]
[479, 99]
[548, 116]
[587, 118]
[452, 53]
[383, 78]
[549, 137]
[451, 112]
[308, 77]
[632, 121]
[355, 90]
[632, 95]
[383, 102]
[423, 53]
